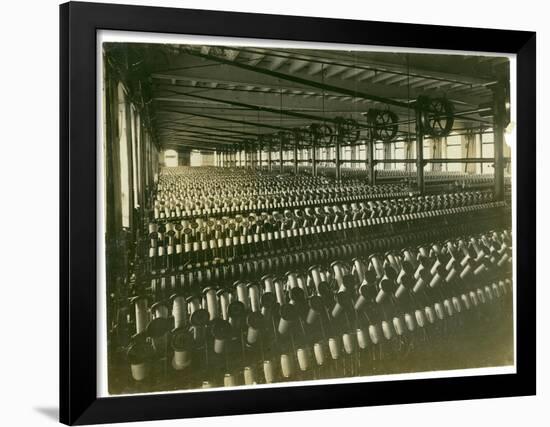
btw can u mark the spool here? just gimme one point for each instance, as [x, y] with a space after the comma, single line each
[480, 296]
[456, 304]
[223, 297]
[374, 334]
[429, 314]
[319, 353]
[268, 371]
[279, 293]
[359, 269]
[473, 298]
[303, 359]
[334, 348]
[181, 360]
[242, 293]
[287, 368]
[338, 273]
[229, 380]
[409, 321]
[182, 349]
[466, 301]
[386, 330]
[138, 355]
[502, 287]
[316, 276]
[375, 262]
[291, 280]
[211, 302]
[361, 339]
[439, 311]
[448, 307]
[348, 343]
[496, 290]
[489, 293]
[142, 314]
[254, 296]
[249, 378]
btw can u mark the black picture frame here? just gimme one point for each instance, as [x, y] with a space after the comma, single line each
[79, 23]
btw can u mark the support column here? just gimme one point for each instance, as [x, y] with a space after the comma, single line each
[370, 160]
[499, 117]
[419, 152]
[337, 158]
[260, 158]
[314, 158]
[269, 165]
[281, 166]
[295, 158]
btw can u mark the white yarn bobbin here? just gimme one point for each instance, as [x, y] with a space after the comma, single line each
[139, 371]
[303, 360]
[348, 343]
[229, 380]
[248, 374]
[319, 353]
[287, 368]
[268, 371]
[361, 339]
[334, 348]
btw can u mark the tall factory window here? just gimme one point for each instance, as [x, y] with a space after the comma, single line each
[196, 158]
[170, 158]
[488, 151]
[123, 156]
[454, 151]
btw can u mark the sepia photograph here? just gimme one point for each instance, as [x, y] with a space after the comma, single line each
[278, 213]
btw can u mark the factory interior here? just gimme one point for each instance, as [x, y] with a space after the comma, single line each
[277, 215]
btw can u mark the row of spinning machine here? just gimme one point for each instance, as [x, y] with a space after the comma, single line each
[248, 277]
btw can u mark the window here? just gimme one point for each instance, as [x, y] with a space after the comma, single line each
[124, 156]
[135, 148]
[454, 151]
[170, 158]
[196, 158]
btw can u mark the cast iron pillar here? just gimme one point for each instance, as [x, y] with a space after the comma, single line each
[419, 152]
